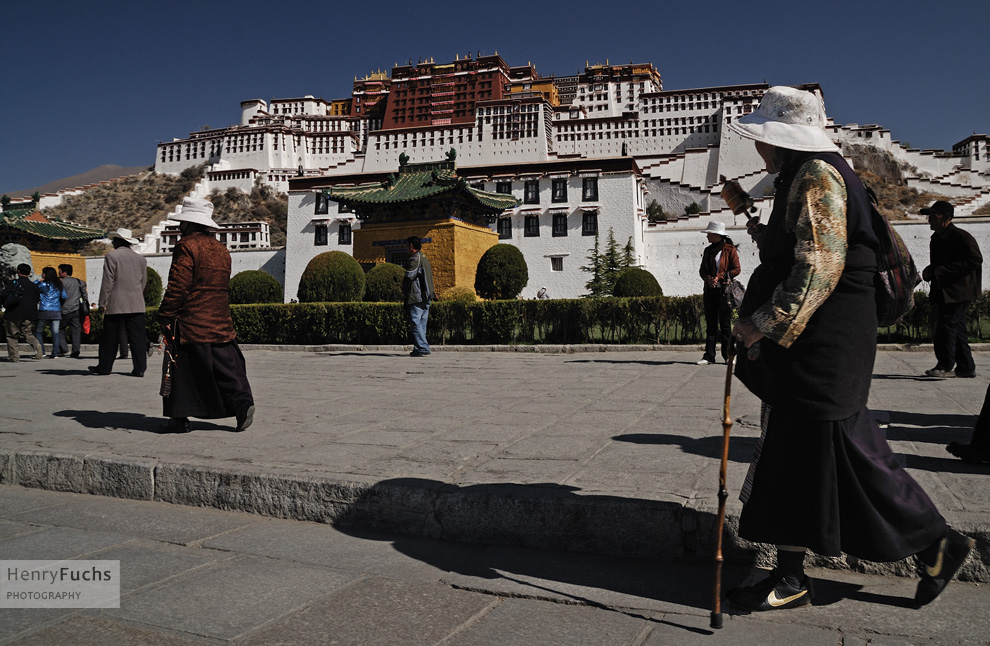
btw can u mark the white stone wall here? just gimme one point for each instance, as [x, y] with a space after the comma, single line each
[271, 261]
[300, 237]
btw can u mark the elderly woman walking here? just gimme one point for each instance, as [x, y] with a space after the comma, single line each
[719, 265]
[823, 477]
[209, 379]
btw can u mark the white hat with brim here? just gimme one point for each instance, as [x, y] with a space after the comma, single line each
[718, 228]
[123, 234]
[788, 118]
[197, 211]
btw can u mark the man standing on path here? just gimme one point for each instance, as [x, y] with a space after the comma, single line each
[417, 288]
[125, 276]
[955, 274]
[75, 291]
[21, 318]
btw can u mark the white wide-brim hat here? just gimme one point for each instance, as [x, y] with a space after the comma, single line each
[787, 118]
[123, 234]
[717, 228]
[197, 211]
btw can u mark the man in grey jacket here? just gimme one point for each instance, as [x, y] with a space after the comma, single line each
[75, 291]
[417, 288]
[125, 276]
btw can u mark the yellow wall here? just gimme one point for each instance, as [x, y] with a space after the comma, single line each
[42, 259]
[454, 247]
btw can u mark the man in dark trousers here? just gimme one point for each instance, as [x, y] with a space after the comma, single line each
[75, 291]
[125, 277]
[21, 318]
[955, 274]
[417, 288]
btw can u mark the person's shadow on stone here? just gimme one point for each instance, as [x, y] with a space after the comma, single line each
[117, 420]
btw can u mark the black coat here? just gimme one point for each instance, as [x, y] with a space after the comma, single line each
[958, 265]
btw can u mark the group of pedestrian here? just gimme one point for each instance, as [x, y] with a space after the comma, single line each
[46, 302]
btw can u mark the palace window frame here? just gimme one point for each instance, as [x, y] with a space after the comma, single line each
[531, 226]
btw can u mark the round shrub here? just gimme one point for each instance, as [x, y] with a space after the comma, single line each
[331, 277]
[458, 295]
[254, 286]
[636, 281]
[383, 283]
[502, 273]
[153, 290]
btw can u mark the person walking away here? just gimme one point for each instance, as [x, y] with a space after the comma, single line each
[75, 291]
[719, 265]
[125, 276]
[417, 289]
[823, 476]
[955, 274]
[49, 308]
[543, 294]
[21, 318]
[209, 378]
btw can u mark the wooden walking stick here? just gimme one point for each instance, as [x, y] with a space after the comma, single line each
[722, 493]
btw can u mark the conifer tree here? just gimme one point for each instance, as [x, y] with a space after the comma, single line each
[611, 263]
[629, 255]
[595, 285]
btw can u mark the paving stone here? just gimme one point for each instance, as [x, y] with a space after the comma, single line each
[80, 630]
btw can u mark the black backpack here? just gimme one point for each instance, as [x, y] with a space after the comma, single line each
[13, 294]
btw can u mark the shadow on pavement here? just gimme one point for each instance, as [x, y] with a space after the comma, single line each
[132, 421]
[628, 361]
[740, 448]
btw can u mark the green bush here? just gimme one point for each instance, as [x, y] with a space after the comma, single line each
[458, 295]
[254, 286]
[332, 277]
[383, 283]
[636, 281]
[502, 273]
[153, 290]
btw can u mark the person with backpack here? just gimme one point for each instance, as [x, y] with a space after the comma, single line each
[823, 477]
[21, 311]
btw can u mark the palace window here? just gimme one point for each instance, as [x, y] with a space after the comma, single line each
[344, 233]
[559, 193]
[559, 225]
[503, 187]
[321, 235]
[532, 226]
[505, 228]
[532, 195]
[589, 223]
[589, 192]
[556, 263]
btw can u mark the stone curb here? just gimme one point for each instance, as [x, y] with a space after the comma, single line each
[549, 517]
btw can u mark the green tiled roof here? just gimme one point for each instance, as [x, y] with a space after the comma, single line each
[418, 181]
[51, 229]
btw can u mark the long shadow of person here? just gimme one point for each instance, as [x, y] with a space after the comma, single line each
[129, 421]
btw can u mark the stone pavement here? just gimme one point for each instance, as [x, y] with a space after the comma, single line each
[611, 452]
[194, 576]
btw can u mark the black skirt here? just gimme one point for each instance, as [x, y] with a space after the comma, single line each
[209, 381]
[836, 487]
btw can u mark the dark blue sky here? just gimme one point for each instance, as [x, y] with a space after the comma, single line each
[87, 84]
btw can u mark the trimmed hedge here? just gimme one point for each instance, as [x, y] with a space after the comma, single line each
[636, 281]
[502, 273]
[383, 283]
[153, 291]
[254, 286]
[334, 277]
[661, 320]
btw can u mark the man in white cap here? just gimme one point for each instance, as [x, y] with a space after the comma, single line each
[209, 378]
[125, 277]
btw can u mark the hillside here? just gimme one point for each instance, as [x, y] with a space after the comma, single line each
[140, 201]
[94, 176]
[880, 171]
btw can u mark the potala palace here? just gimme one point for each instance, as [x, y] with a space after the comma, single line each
[581, 154]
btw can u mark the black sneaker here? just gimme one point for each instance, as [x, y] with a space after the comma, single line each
[775, 592]
[952, 552]
[175, 425]
[940, 373]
